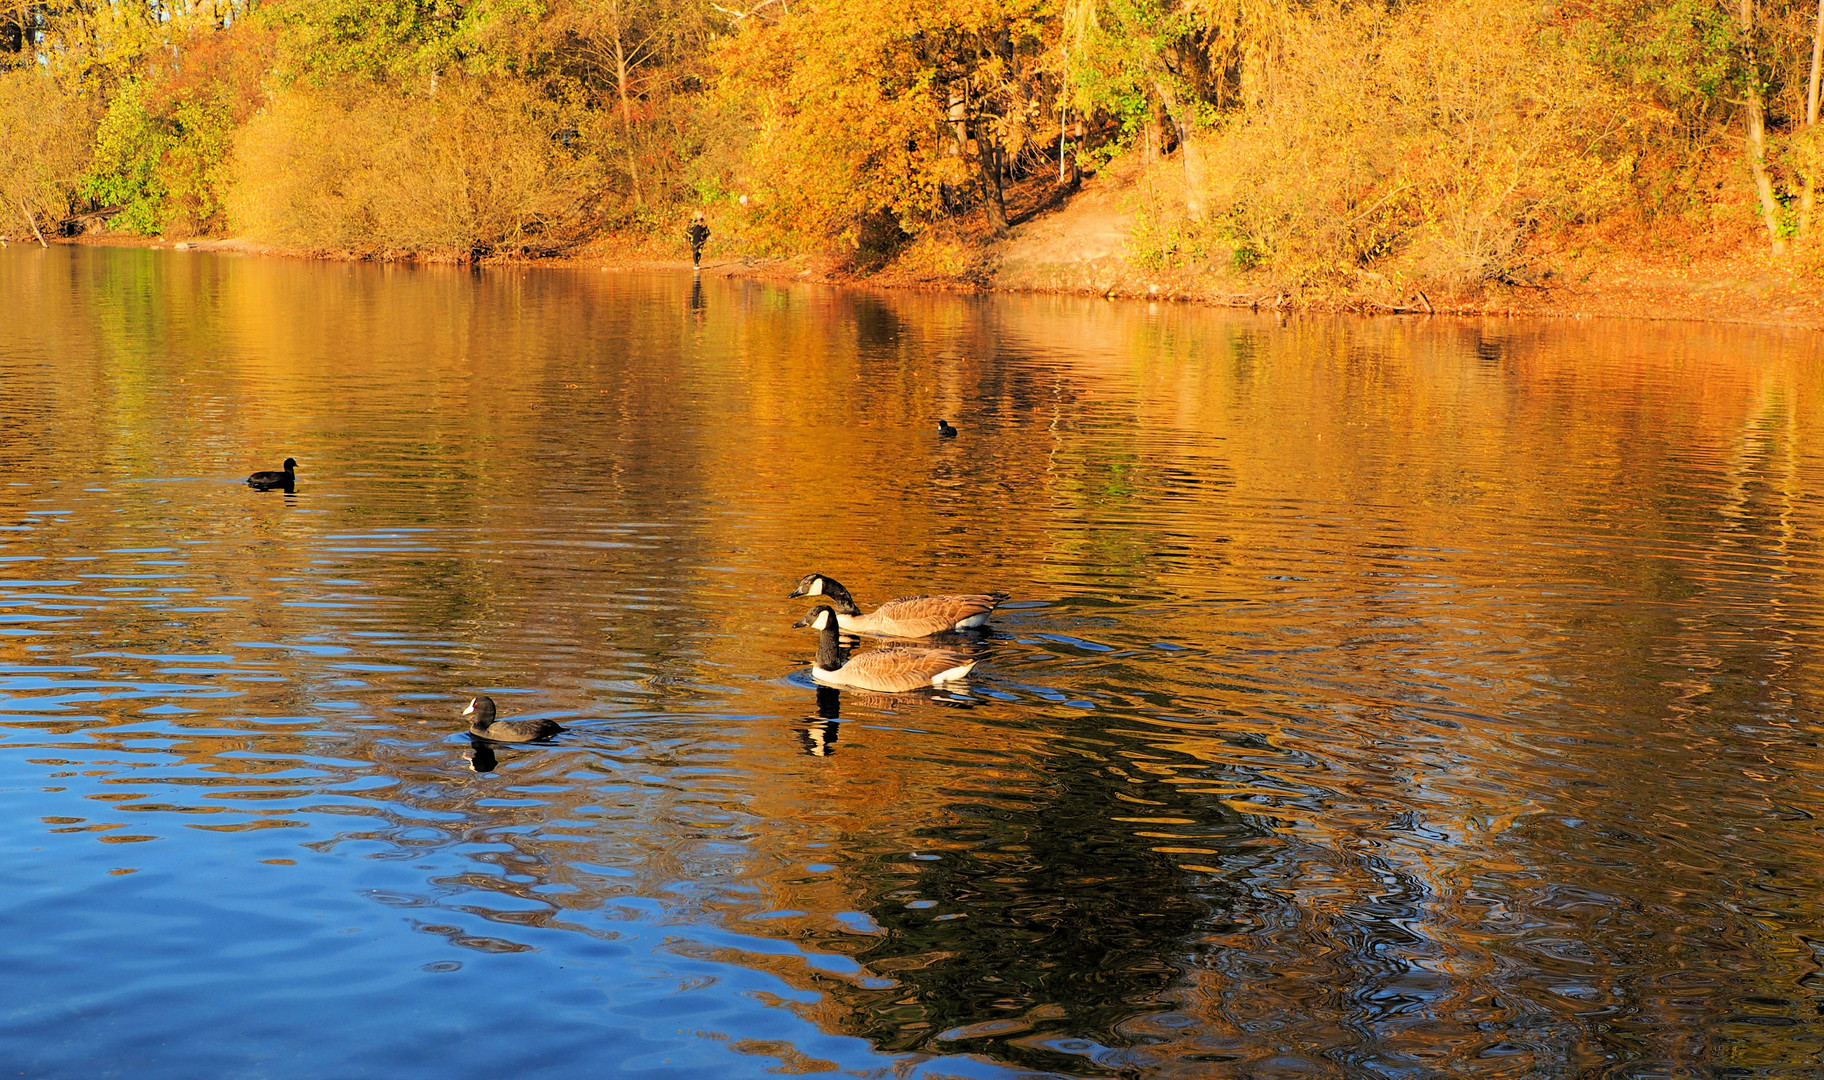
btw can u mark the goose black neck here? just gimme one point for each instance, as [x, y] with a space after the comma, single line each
[838, 596]
[829, 645]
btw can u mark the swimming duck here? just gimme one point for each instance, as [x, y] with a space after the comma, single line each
[267, 479]
[908, 616]
[888, 670]
[484, 725]
[944, 430]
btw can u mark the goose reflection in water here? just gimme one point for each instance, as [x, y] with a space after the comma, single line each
[819, 732]
[819, 737]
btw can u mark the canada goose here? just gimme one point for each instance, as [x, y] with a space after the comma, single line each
[484, 726]
[909, 616]
[944, 430]
[267, 479]
[890, 670]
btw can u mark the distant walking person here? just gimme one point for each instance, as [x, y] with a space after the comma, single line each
[698, 235]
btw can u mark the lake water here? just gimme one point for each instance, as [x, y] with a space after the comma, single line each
[1398, 698]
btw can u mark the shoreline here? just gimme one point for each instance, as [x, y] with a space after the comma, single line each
[1732, 288]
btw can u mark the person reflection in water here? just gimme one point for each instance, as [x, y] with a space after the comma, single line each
[696, 297]
[698, 235]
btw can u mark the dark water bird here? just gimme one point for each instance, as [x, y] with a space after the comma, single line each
[944, 430]
[484, 726]
[908, 616]
[890, 670]
[267, 479]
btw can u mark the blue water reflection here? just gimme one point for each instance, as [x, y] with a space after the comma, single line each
[1377, 698]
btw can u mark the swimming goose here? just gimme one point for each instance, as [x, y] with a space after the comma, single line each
[267, 479]
[944, 430]
[486, 727]
[909, 616]
[889, 670]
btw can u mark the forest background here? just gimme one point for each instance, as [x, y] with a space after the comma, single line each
[1374, 148]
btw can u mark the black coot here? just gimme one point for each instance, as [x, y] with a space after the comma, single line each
[484, 726]
[267, 479]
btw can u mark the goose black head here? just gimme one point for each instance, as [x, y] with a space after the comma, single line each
[829, 636]
[821, 617]
[824, 585]
[809, 585]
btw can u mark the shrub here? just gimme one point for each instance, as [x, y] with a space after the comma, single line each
[124, 174]
[470, 168]
[1457, 128]
[161, 145]
[46, 128]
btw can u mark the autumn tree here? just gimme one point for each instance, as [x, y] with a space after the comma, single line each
[46, 127]
[867, 112]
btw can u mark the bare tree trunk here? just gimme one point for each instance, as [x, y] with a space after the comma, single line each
[12, 36]
[33, 222]
[1817, 61]
[1808, 198]
[1757, 134]
[987, 155]
[1064, 108]
[1192, 156]
[988, 162]
[621, 79]
[958, 117]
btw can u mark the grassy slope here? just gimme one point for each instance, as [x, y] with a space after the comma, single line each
[1725, 273]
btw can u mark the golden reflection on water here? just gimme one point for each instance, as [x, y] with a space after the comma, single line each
[1377, 697]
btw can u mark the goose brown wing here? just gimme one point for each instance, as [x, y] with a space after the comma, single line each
[917, 616]
[893, 670]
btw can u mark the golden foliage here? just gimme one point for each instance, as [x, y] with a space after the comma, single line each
[46, 131]
[470, 167]
[1454, 129]
[1423, 138]
[1804, 153]
[842, 119]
